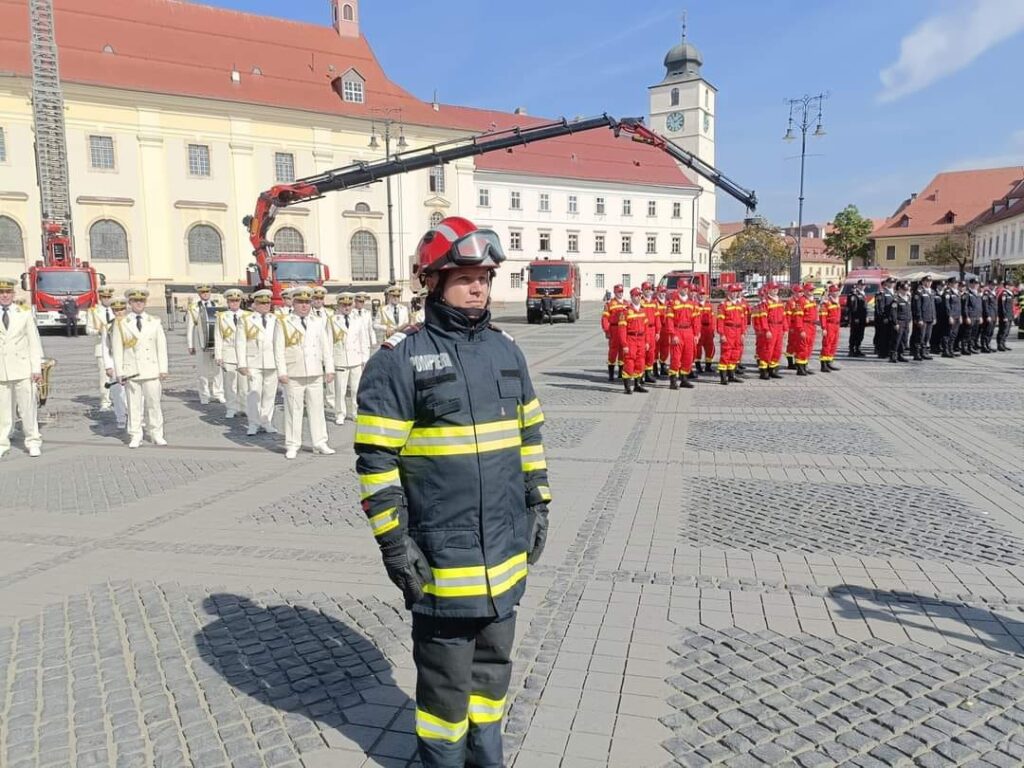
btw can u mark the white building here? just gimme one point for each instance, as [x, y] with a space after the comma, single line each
[999, 235]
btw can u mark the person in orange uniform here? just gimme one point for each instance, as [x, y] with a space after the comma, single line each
[829, 315]
[762, 342]
[610, 325]
[633, 341]
[683, 332]
[650, 307]
[770, 325]
[732, 324]
[808, 330]
[661, 297]
[796, 324]
[706, 321]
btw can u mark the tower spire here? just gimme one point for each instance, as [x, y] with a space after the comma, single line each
[683, 17]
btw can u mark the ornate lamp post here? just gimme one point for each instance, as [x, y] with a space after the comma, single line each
[803, 109]
[383, 115]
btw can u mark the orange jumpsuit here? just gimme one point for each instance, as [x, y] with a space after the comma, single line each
[796, 324]
[732, 324]
[809, 325]
[651, 309]
[684, 332]
[830, 315]
[770, 325]
[633, 335]
[610, 326]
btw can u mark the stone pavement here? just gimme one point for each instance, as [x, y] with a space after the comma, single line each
[821, 571]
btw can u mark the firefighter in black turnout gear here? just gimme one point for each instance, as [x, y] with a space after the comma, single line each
[454, 483]
[857, 306]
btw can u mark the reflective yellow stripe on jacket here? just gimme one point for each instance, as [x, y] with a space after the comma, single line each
[381, 431]
[477, 580]
[430, 726]
[453, 441]
[370, 484]
[484, 710]
[531, 414]
[533, 457]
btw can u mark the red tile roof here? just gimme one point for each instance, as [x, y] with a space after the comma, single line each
[188, 49]
[964, 194]
[1006, 207]
[727, 228]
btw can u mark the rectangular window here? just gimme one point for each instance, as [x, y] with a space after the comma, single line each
[652, 207]
[627, 207]
[483, 198]
[627, 243]
[3, 146]
[198, 160]
[890, 253]
[515, 201]
[352, 90]
[915, 251]
[437, 180]
[574, 204]
[517, 279]
[545, 241]
[677, 244]
[545, 201]
[101, 153]
[574, 243]
[598, 243]
[652, 244]
[284, 167]
[599, 280]
[626, 281]
[677, 210]
[650, 277]
[599, 206]
[515, 240]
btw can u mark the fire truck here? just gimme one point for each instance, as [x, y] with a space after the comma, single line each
[555, 282]
[58, 276]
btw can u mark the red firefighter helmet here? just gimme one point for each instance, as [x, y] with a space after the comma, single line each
[735, 288]
[833, 290]
[646, 285]
[635, 293]
[457, 242]
[795, 288]
[618, 288]
[809, 287]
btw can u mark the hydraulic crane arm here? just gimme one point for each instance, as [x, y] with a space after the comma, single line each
[360, 174]
[645, 135]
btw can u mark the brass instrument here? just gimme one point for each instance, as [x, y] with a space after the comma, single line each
[43, 388]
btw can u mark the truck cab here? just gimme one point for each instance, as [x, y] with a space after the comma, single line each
[556, 281]
[51, 286]
[290, 269]
[671, 280]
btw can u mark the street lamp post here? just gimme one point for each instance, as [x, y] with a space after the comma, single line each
[748, 223]
[383, 114]
[803, 108]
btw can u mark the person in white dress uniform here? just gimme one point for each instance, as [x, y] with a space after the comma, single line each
[350, 355]
[225, 350]
[113, 386]
[139, 345]
[211, 378]
[393, 315]
[305, 361]
[98, 320]
[256, 362]
[21, 368]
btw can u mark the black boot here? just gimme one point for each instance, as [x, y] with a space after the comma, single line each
[638, 386]
[673, 382]
[664, 369]
[722, 376]
[618, 371]
[791, 364]
[628, 386]
[648, 377]
[764, 374]
[986, 350]
[692, 375]
[801, 370]
[773, 373]
[611, 373]
[684, 383]
[734, 379]
[824, 366]
[832, 366]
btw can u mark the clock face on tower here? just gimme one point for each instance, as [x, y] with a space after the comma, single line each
[674, 121]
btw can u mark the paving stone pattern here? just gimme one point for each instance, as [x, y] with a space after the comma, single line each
[92, 484]
[765, 699]
[860, 520]
[329, 503]
[781, 437]
[566, 432]
[973, 400]
[758, 397]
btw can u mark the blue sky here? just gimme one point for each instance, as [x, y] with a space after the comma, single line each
[916, 86]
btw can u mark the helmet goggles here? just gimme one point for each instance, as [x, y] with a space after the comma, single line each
[473, 250]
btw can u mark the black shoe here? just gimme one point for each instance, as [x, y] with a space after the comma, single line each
[774, 374]
[639, 387]
[673, 382]
[649, 378]
[902, 359]
[832, 366]
[801, 370]
[684, 383]
[664, 369]
[1006, 348]
[925, 356]
[734, 379]
[722, 376]
[764, 374]
[611, 373]
[618, 371]
[985, 350]
[628, 385]
[824, 366]
[791, 365]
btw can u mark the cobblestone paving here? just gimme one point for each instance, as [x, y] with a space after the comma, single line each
[872, 521]
[775, 437]
[823, 571]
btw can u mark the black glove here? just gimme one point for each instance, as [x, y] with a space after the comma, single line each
[537, 516]
[407, 567]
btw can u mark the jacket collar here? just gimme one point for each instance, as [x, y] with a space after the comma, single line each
[449, 321]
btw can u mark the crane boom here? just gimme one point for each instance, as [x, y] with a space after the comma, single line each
[360, 174]
[645, 135]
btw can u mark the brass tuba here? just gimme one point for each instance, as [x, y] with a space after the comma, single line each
[43, 388]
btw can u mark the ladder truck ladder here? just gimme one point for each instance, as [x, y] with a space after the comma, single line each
[48, 117]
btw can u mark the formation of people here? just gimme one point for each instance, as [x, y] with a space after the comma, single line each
[923, 320]
[658, 334]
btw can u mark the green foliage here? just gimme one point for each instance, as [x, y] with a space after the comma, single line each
[757, 249]
[849, 237]
[951, 249]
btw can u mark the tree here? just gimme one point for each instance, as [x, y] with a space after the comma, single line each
[953, 248]
[757, 249]
[848, 239]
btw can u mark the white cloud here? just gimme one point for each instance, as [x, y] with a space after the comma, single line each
[948, 42]
[1011, 154]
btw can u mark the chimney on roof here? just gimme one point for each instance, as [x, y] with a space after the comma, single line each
[913, 196]
[519, 111]
[345, 17]
[434, 104]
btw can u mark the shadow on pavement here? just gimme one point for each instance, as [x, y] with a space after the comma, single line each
[303, 661]
[234, 429]
[990, 629]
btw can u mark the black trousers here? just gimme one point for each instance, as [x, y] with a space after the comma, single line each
[883, 338]
[988, 329]
[463, 668]
[901, 342]
[953, 335]
[975, 333]
[856, 335]
[1004, 333]
[925, 341]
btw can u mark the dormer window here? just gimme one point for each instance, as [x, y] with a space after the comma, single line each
[950, 217]
[351, 87]
[904, 222]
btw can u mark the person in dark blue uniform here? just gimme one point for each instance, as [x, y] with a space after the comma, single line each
[857, 307]
[884, 333]
[923, 308]
[1005, 301]
[954, 313]
[454, 483]
[989, 316]
[900, 318]
[970, 343]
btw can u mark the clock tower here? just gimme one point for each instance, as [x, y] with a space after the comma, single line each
[683, 110]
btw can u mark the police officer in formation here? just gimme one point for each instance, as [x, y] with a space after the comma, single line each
[923, 310]
[857, 307]
[899, 320]
[884, 331]
[1004, 306]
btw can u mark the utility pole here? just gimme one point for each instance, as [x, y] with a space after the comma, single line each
[803, 110]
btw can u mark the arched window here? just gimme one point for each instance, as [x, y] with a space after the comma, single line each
[436, 218]
[347, 13]
[108, 241]
[362, 207]
[364, 256]
[204, 245]
[674, 97]
[289, 240]
[12, 247]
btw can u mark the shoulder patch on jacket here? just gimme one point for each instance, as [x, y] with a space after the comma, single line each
[507, 335]
[399, 336]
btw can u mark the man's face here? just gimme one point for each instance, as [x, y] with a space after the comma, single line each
[137, 305]
[392, 299]
[345, 309]
[359, 303]
[105, 300]
[318, 302]
[466, 288]
[287, 300]
[234, 304]
[204, 295]
[619, 295]
[773, 294]
[261, 306]
[648, 295]
[120, 311]
[683, 294]
[301, 307]
[6, 297]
